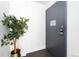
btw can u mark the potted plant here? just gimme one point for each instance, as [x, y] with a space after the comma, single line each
[16, 28]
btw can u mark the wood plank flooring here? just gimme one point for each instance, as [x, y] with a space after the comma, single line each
[40, 53]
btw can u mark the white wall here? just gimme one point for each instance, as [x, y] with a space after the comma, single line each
[49, 4]
[4, 7]
[34, 39]
[73, 29]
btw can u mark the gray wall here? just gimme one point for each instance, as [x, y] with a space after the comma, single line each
[4, 7]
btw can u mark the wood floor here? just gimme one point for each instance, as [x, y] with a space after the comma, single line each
[40, 53]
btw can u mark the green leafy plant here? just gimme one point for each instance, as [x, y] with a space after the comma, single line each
[15, 28]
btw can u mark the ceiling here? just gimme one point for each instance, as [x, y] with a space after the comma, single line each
[46, 4]
[43, 2]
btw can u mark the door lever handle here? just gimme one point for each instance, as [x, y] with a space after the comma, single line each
[61, 30]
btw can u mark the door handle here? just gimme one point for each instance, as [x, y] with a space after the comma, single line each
[61, 30]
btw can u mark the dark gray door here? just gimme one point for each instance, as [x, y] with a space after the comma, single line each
[56, 29]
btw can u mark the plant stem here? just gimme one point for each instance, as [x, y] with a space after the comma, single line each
[14, 40]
